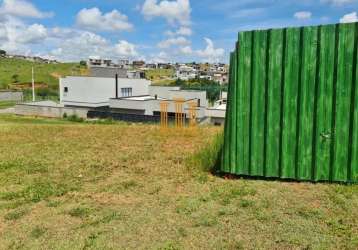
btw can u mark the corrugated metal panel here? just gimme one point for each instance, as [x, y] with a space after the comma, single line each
[293, 104]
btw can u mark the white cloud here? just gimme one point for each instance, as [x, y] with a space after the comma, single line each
[210, 53]
[81, 46]
[349, 18]
[124, 48]
[22, 8]
[74, 45]
[173, 11]
[187, 50]
[178, 41]
[182, 31]
[162, 57]
[16, 36]
[339, 2]
[94, 19]
[32, 34]
[303, 15]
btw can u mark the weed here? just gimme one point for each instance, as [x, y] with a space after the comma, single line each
[308, 213]
[107, 218]
[207, 157]
[187, 206]
[129, 184]
[16, 214]
[156, 190]
[182, 232]
[90, 241]
[74, 118]
[230, 192]
[53, 203]
[169, 245]
[206, 220]
[80, 212]
[38, 191]
[37, 232]
[246, 203]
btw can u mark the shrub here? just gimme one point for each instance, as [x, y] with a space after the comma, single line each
[207, 158]
[74, 118]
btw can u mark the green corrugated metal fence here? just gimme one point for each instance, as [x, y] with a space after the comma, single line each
[293, 104]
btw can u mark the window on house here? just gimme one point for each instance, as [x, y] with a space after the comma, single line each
[65, 89]
[126, 92]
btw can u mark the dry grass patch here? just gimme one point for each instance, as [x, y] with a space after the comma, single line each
[72, 185]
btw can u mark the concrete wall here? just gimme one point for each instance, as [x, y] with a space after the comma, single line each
[190, 94]
[161, 92]
[220, 113]
[48, 111]
[95, 91]
[108, 72]
[217, 121]
[11, 96]
[150, 106]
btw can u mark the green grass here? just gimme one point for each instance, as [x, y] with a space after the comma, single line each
[79, 185]
[157, 74]
[7, 104]
[44, 73]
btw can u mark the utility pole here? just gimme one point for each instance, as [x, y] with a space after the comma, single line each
[33, 85]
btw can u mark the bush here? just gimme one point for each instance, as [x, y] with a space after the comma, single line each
[74, 118]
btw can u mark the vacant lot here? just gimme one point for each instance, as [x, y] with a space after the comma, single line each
[123, 186]
[17, 70]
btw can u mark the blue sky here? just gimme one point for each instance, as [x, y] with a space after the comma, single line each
[153, 30]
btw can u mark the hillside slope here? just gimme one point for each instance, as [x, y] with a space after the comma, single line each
[44, 73]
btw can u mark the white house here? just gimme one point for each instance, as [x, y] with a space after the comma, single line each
[186, 73]
[84, 91]
[150, 104]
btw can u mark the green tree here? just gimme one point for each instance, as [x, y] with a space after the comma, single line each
[2, 52]
[83, 63]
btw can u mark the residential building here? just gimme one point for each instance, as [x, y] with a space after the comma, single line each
[96, 91]
[109, 71]
[149, 105]
[138, 64]
[185, 72]
[98, 62]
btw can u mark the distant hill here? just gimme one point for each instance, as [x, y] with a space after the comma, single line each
[18, 71]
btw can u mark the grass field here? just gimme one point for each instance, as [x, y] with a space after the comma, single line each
[44, 73]
[130, 186]
[160, 76]
[7, 104]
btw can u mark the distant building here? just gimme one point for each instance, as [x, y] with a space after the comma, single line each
[35, 59]
[98, 62]
[84, 91]
[186, 73]
[164, 66]
[138, 64]
[221, 78]
[149, 105]
[135, 74]
[151, 66]
[123, 63]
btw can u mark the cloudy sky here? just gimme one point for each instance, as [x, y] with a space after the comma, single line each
[153, 30]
